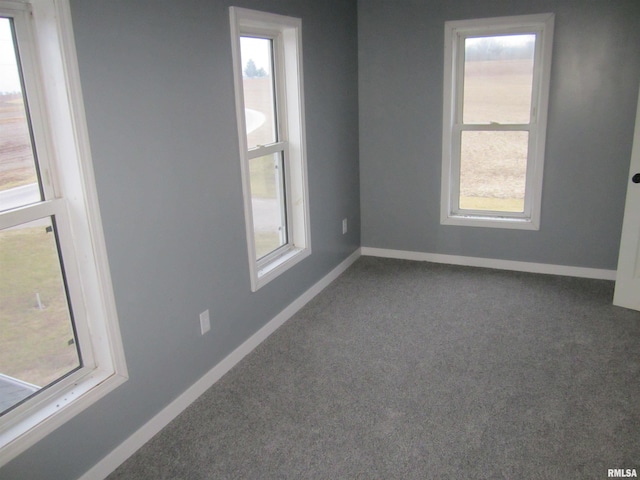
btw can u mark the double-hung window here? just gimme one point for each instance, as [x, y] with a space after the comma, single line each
[267, 57]
[60, 348]
[496, 88]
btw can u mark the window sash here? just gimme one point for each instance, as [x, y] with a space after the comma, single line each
[50, 205]
[285, 33]
[278, 75]
[275, 94]
[285, 206]
[456, 167]
[460, 57]
[280, 146]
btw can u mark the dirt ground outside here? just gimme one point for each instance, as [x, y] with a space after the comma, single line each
[16, 159]
[493, 164]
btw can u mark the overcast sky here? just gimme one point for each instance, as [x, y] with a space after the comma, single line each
[258, 50]
[9, 81]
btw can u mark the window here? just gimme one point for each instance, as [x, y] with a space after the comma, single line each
[496, 90]
[60, 347]
[267, 58]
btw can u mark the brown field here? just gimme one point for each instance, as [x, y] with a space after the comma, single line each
[16, 158]
[493, 164]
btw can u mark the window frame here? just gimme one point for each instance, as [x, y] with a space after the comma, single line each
[455, 34]
[286, 34]
[44, 35]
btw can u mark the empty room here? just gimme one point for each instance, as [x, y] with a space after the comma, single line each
[319, 239]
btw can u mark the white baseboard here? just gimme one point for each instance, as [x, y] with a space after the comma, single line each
[492, 263]
[127, 448]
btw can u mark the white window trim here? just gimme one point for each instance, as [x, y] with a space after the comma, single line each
[450, 213]
[60, 119]
[286, 31]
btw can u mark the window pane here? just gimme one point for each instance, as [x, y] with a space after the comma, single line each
[493, 168]
[268, 203]
[37, 341]
[258, 86]
[18, 177]
[498, 78]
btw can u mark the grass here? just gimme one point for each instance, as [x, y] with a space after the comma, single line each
[34, 342]
[266, 242]
[263, 185]
[262, 177]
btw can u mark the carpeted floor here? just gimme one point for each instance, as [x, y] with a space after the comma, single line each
[413, 370]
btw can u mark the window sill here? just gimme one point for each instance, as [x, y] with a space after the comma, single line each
[22, 431]
[279, 265]
[491, 222]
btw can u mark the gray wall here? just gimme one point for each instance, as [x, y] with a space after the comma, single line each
[158, 90]
[594, 89]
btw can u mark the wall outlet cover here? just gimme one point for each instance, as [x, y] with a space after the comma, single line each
[205, 322]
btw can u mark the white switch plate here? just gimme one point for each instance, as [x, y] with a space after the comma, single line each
[344, 226]
[205, 322]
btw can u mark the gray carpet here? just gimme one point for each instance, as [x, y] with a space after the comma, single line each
[413, 370]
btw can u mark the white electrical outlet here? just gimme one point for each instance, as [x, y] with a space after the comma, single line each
[205, 322]
[344, 226]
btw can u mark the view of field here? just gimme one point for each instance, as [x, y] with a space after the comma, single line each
[37, 340]
[493, 164]
[17, 167]
[35, 327]
[264, 176]
[267, 214]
